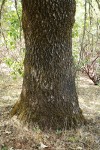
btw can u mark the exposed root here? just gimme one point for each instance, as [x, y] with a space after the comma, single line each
[15, 109]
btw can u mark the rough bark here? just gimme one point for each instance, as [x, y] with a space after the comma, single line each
[48, 96]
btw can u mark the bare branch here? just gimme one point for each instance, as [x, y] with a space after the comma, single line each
[16, 7]
[84, 29]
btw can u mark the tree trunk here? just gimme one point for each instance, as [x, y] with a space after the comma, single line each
[48, 96]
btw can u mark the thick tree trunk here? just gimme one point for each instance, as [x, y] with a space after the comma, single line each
[48, 95]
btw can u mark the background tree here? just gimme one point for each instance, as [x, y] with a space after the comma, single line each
[86, 39]
[48, 96]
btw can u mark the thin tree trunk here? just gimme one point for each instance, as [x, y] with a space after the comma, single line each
[1, 8]
[48, 96]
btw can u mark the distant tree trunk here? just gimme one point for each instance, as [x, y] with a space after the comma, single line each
[48, 96]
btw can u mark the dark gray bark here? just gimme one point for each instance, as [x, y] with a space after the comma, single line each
[48, 95]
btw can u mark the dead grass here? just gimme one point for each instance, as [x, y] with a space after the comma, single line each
[13, 136]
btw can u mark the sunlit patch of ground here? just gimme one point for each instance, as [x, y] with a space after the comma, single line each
[89, 96]
[13, 136]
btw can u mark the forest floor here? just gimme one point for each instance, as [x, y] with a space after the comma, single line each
[13, 136]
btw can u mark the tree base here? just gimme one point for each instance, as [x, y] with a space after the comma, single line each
[48, 122]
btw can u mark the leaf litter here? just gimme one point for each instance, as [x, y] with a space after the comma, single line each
[13, 136]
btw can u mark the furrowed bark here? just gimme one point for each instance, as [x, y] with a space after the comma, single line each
[48, 96]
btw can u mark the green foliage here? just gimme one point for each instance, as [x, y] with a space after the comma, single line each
[4, 148]
[10, 24]
[16, 67]
[12, 37]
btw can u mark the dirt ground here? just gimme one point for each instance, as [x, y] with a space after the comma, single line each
[14, 136]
